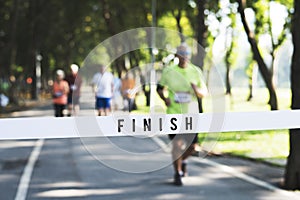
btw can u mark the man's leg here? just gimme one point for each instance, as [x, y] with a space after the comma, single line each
[76, 109]
[191, 141]
[107, 106]
[106, 111]
[177, 160]
[69, 110]
[189, 151]
[56, 110]
[69, 105]
[75, 106]
[61, 109]
[101, 105]
[130, 104]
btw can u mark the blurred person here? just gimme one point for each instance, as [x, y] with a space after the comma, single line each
[75, 81]
[4, 100]
[128, 84]
[117, 97]
[60, 93]
[146, 89]
[103, 87]
[184, 83]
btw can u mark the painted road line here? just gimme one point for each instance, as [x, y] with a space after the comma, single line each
[26, 176]
[247, 178]
[233, 172]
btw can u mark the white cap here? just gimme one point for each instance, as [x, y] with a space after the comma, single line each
[60, 72]
[74, 68]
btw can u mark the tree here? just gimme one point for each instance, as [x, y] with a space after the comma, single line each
[292, 170]
[201, 35]
[228, 62]
[252, 75]
[230, 44]
[266, 74]
[265, 26]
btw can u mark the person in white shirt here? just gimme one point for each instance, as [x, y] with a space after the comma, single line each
[103, 86]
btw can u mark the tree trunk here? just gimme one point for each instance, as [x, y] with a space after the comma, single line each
[292, 171]
[250, 73]
[179, 27]
[13, 31]
[228, 82]
[33, 9]
[13, 50]
[267, 76]
[250, 96]
[228, 85]
[227, 62]
[201, 36]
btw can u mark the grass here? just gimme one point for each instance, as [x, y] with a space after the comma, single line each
[259, 101]
[271, 146]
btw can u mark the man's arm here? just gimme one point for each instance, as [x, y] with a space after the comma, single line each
[160, 91]
[66, 88]
[200, 92]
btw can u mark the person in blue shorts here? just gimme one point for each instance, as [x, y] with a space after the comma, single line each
[103, 86]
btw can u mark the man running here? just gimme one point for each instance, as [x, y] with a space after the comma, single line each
[184, 83]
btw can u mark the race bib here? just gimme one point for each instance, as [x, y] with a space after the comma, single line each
[58, 94]
[182, 97]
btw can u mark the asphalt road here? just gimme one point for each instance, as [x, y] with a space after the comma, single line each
[124, 168]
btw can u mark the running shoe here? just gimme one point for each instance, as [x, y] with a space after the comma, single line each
[177, 179]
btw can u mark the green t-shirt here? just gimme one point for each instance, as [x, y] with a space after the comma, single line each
[178, 81]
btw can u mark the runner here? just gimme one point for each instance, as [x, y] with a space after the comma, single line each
[184, 83]
[103, 86]
[59, 93]
[74, 81]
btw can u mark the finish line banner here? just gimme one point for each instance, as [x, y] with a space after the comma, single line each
[146, 125]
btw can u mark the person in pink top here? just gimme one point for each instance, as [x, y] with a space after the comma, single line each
[60, 93]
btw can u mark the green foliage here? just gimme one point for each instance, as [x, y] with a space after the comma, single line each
[65, 31]
[264, 22]
[62, 31]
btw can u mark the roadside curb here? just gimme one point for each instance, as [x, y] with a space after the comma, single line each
[6, 112]
[252, 159]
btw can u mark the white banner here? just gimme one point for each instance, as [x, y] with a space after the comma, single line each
[147, 125]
